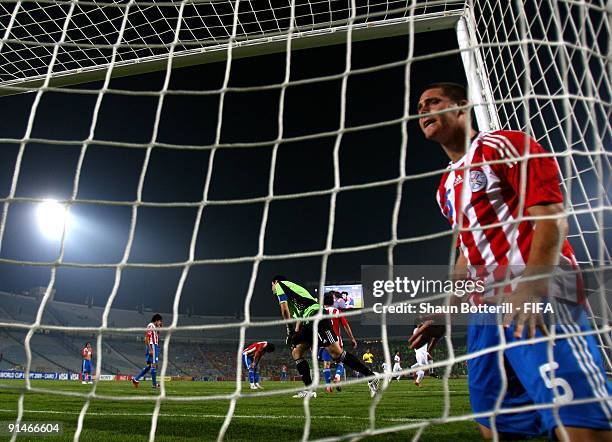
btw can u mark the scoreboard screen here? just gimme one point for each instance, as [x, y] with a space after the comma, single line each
[354, 298]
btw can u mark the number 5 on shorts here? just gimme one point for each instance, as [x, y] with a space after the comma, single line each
[557, 382]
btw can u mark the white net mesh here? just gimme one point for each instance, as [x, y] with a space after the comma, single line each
[537, 66]
[145, 32]
[558, 92]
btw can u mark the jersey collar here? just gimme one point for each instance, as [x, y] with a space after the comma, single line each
[473, 144]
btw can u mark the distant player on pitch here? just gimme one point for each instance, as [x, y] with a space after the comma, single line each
[151, 351]
[491, 183]
[368, 359]
[397, 366]
[87, 352]
[328, 302]
[386, 367]
[251, 356]
[296, 302]
[284, 374]
[421, 359]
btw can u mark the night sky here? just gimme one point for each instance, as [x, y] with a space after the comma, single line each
[163, 234]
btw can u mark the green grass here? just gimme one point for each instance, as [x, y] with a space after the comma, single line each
[271, 418]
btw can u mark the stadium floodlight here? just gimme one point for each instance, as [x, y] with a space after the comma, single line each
[52, 217]
[541, 67]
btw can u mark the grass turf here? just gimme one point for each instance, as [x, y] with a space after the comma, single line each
[278, 417]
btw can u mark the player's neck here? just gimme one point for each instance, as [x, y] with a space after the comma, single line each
[455, 147]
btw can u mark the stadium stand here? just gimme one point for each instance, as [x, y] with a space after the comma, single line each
[201, 354]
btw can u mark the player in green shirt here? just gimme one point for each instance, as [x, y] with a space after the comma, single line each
[296, 302]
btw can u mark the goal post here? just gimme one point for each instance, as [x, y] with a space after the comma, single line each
[479, 85]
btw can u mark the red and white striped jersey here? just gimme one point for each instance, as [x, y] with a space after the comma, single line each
[152, 334]
[336, 320]
[86, 353]
[488, 193]
[255, 348]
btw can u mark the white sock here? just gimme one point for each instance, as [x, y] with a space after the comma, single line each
[420, 375]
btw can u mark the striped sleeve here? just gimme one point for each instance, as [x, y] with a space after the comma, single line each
[542, 174]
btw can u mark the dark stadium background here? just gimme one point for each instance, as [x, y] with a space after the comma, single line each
[163, 234]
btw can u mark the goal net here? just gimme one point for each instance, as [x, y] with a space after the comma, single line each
[537, 66]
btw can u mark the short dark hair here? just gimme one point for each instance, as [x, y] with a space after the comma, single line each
[279, 278]
[328, 298]
[454, 91]
[270, 347]
[156, 317]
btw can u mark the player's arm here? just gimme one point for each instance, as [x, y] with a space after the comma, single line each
[430, 332]
[460, 268]
[541, 197]
[284, 306]
[543, 255]
[149, 343]
[256, 358]
[349, 332]
[286, 314]
[547, 237]
[430, 346]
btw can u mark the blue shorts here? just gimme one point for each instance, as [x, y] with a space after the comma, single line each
[247, 359]
[324, 355]
[86, 366]
[578, 374]
[152, 359]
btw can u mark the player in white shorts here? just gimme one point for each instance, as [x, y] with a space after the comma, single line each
[396, 364]
[421, 360]
[386, 367]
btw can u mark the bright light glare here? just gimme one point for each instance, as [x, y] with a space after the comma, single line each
[51, 219]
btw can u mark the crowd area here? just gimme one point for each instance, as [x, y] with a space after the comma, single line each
[189, 355]
[202, 361]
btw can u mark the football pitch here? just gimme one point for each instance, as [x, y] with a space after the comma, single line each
[275, 417]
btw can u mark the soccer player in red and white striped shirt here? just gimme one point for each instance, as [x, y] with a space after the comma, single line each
[490, 184]
[251, 356]
[151, 351]
[336, 320]
[86, 353]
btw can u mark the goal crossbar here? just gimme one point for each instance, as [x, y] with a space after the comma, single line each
[241, 49]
